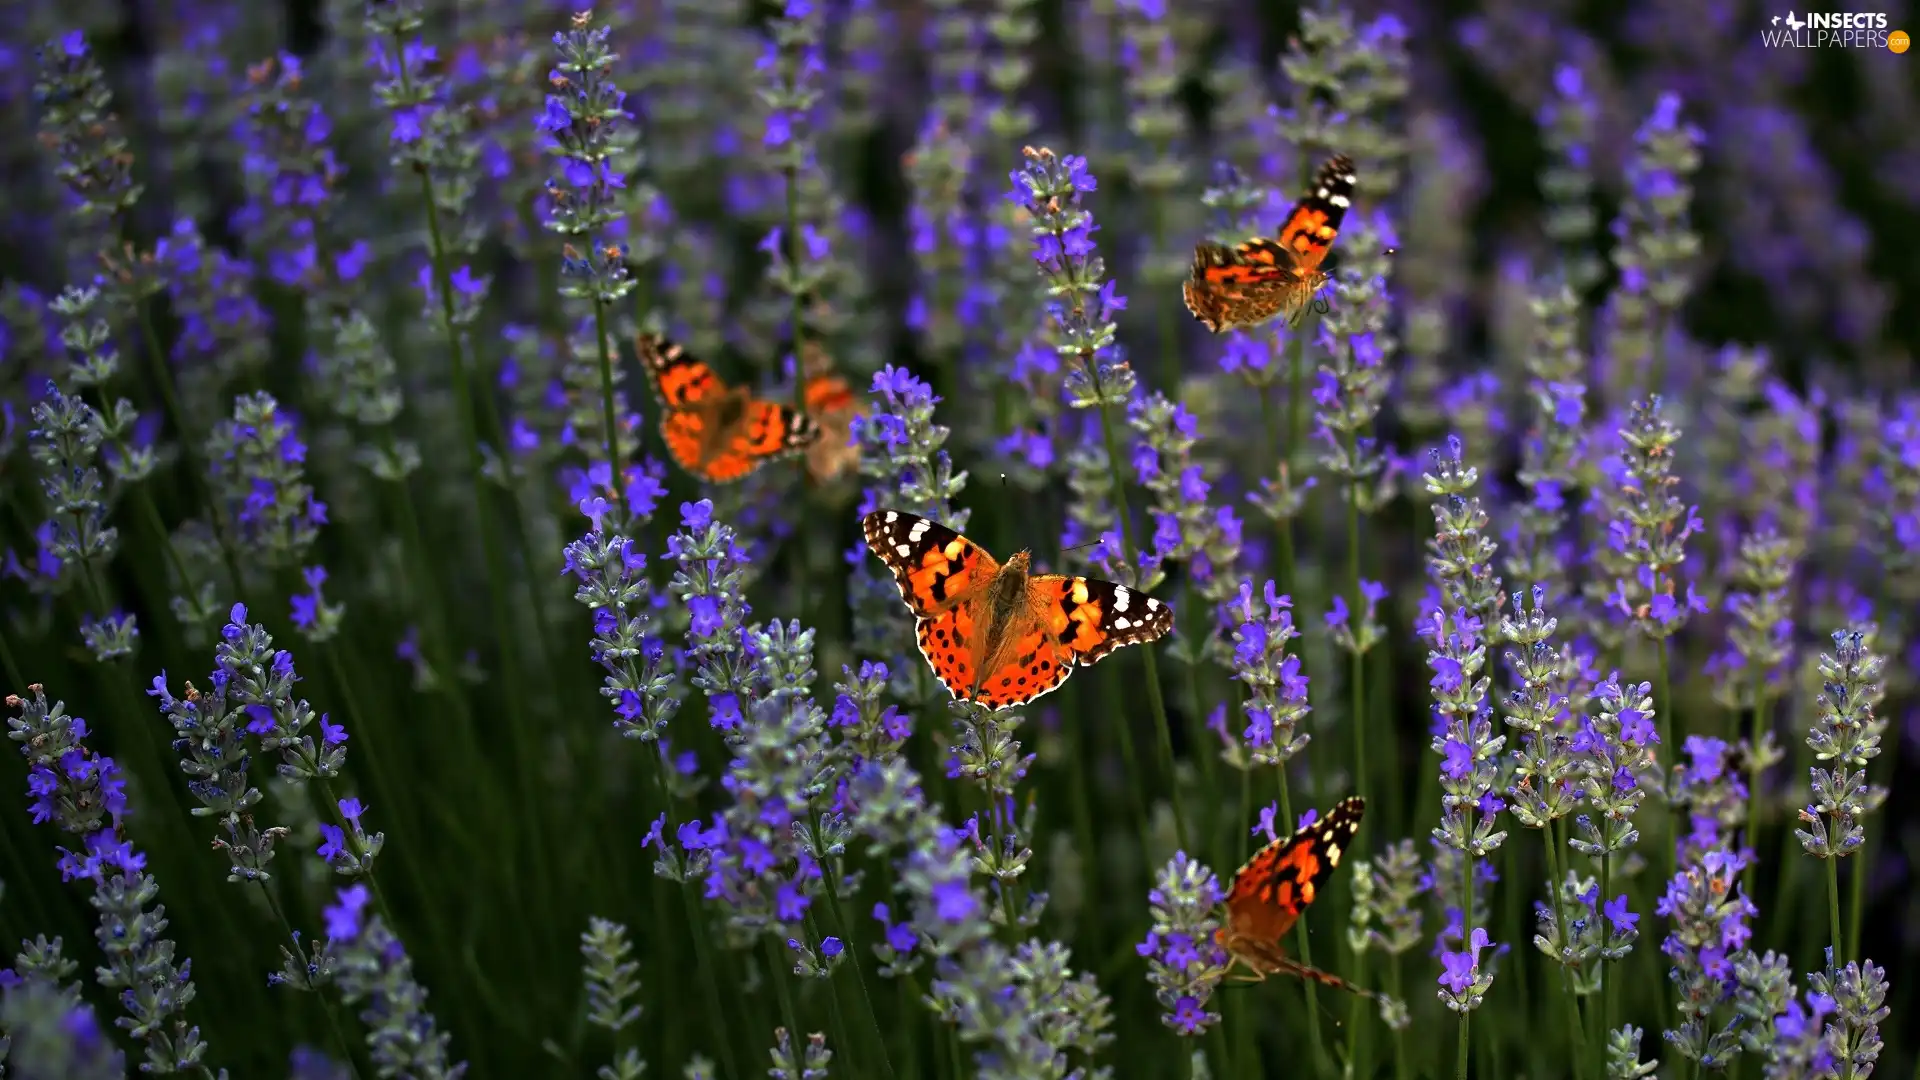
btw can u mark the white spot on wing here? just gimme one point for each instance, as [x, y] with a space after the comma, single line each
[892, 516]
[1120, 598]
[919, 530]
[1122, 624]
[903, 549]
[1340, 201]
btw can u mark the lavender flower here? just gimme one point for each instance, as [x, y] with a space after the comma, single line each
[869, 727]
[92, 161]
[1655, 237]
[1186, 526]
[1617, 743]
[1623, 1055]
[210, 735]
[613, 585]
[1469, 751]
[1709, 914]
[709, 581]
[83, 793]
[582, 125]
[1462, 982]
[52, 1035]
[259, 479]
[224, 332]
[67, 436]
[1551, 449]
[1184, 963]
[1847, 735]
[1547, 773]
[1858, 993]
[783, 837]
[613, 983]
[1384, 891]
[1568, 122]
[1276, 699]
[793, 1063]
[372, 969]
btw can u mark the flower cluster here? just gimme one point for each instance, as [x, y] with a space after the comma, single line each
[1276, 684]
[1184, 963]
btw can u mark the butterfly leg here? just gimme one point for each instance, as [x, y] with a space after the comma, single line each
[1324, 978]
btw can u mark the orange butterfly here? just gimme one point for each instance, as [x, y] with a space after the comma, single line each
[1255, 281]
[833, 405]
[993, 633]
[717, 432]
[1274, 888]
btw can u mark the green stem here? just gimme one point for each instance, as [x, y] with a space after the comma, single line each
[1356, 621]
[778, 977]
[1466, 934]
[1197, 736]
[1663, 717]
[1610, 983]
[1356, 1017]
[1300, 936]
[1554, 877]
[1400, 1063]
[716, 1015]
[608, 415]
[1756, 739]
[498, 580]
[854, 956]
[1460, 1058]
[327, 1005]
[1833, 910]
[1154, 703]
[1856, 898]
[795, 251]
[1246, 812]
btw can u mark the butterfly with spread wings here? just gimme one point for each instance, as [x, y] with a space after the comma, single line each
[994, 633]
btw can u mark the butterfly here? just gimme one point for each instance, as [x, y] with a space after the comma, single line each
[1246, 285]
[833, 405]
[1275, 886]
[719, 433]
[994, 633]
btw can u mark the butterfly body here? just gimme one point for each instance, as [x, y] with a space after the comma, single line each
[1263, 278]
[993, 632]
[716, 432]
[1275, 887]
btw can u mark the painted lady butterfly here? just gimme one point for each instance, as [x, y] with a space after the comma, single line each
[993, 633]
[1275, 886]
[719, 433]
[1263, 278]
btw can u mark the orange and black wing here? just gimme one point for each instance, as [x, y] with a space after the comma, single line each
[1283, 878]
[714, 431]
[1314, 222]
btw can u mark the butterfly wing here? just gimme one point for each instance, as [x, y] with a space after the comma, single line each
[1242, 286]
[1069, 622]
[1279, 882]
[711, 430]
[1314, 222]
[766, 431]
[829, 394]
[942, 576]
